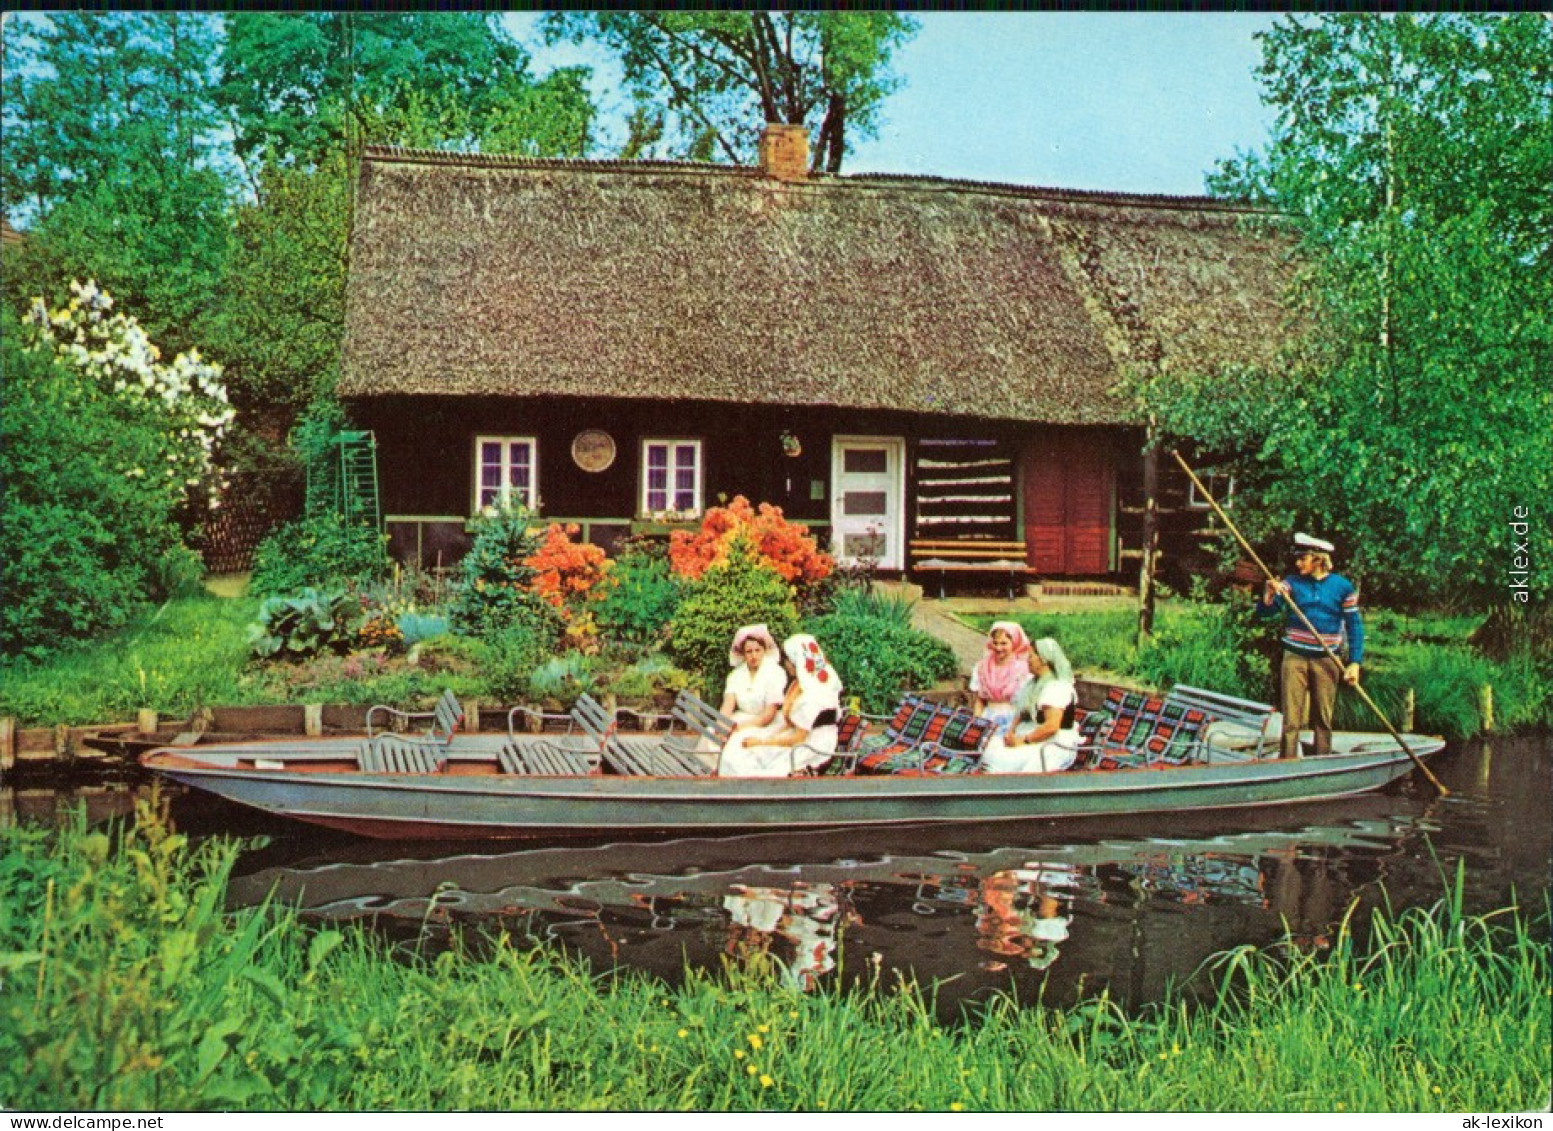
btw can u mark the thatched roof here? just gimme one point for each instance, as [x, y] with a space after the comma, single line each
[480, 275]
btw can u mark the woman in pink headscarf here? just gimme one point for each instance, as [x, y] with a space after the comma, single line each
[1002, 672]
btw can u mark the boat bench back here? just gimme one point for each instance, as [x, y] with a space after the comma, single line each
[1134, 729]
[446, 717]
[923, 735]
[696, 714]
[597, 723]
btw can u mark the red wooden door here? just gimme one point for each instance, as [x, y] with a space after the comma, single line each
[1069, 482]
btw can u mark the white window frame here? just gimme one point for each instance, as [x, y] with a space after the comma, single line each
[1222, 486]
[505, 491]
[673, 443]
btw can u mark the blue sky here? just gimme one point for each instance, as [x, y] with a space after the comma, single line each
[1129, 102]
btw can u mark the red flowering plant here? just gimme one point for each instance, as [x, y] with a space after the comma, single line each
[570, 576]
[786, 547]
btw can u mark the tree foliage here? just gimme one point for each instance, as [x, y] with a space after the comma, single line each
[1413, 157]
[704, 83]
[113, 148]
[300, 86]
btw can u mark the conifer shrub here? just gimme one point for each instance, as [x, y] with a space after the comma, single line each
[495, 587]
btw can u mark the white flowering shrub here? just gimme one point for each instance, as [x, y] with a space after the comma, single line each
[103, 450]
[185, 402]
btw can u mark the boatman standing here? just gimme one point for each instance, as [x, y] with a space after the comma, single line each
[1309, 676]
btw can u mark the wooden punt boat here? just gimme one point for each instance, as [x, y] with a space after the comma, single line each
[479, 791]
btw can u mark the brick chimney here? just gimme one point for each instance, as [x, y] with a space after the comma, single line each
[784, 152]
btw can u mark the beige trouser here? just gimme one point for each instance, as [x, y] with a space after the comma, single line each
[1309, 694]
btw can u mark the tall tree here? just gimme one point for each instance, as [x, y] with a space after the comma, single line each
[300, 85]
[1413, 157]
[113, 153]
[705, 82]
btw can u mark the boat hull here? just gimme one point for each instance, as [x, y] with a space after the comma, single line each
[483, 804]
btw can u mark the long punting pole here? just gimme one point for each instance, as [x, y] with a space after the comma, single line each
[1289, 600]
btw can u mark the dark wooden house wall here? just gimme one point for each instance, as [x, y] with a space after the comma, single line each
[954, 472]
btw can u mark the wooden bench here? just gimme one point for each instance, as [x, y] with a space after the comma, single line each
[970, 555]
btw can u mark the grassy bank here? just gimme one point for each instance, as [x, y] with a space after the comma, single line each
[1223, 648]
[126, 987]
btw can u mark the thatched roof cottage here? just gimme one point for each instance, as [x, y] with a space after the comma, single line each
[889, 359]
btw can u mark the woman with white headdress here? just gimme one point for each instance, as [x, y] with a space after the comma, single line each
[1049, 741]
[804, 734]
[756, 685]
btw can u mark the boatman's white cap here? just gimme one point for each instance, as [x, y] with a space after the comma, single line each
[1305, 544]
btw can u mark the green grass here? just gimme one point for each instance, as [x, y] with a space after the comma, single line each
[127, 987]
[187, 654]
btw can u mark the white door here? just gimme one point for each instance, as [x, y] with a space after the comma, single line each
[868, 489]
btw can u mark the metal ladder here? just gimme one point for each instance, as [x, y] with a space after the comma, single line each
[344, 480]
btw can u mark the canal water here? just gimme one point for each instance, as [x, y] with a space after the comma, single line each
[1059, 909]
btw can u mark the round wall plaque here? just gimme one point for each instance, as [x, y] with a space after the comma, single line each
[593, 450]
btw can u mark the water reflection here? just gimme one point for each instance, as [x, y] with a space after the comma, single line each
[1054, 908]
[1024, 914]
[797, 926]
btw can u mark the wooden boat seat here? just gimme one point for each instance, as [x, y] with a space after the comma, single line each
[397, 754]
[641, 757]
[653, 760]
[538, 758]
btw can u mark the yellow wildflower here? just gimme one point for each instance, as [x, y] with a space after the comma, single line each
[957, 1106]
[766, 1081]
[755, 1041]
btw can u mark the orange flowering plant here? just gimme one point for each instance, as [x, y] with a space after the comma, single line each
[570, 576]
[785, 546]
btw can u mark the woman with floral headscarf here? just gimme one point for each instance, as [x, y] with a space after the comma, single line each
[1003, 670]
[805, 734]
[1049, 742]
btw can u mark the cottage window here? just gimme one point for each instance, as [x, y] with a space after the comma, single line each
[1220, 486]
[506, 472]
[671, 476]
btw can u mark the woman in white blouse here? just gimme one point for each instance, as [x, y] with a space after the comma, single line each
[756, 682]
[804, 734]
